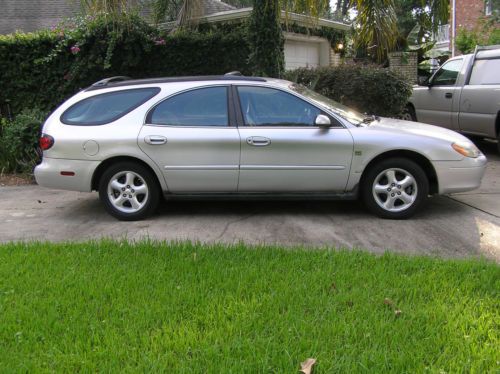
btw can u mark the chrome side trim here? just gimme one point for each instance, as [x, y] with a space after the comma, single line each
[292, 167]
[201, 167]
[254, 167]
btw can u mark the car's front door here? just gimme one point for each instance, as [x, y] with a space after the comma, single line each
[191, 137]
[282, 150]
[434, 104]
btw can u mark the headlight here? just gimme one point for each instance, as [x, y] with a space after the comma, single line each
[466, 149]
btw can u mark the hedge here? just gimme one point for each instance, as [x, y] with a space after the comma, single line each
[42, 69]
[369, 89]
[19, 140]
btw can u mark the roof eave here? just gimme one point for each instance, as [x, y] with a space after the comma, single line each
[300, 19]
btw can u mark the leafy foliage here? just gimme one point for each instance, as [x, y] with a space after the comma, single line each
[377, 32]
[368, 89]
[44, 68]
[266, 39]
[19, 139]
[486, 32]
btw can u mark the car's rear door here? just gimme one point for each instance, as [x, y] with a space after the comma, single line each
[192, 137]
[282, 150]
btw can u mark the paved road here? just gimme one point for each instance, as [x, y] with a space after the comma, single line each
[460, 225]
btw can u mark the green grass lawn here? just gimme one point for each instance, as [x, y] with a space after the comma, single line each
[186, 308]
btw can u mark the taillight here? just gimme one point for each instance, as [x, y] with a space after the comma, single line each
[46, 141]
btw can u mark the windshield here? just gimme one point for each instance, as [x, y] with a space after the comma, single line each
[345, 112]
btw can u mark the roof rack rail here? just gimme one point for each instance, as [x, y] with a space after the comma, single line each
[124, 81]
[106, 81]
[236, 73]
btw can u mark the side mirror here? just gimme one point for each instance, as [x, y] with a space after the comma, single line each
[322, 121]
[424, 81]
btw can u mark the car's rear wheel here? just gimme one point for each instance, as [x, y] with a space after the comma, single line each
[395, 188]
[129, 191]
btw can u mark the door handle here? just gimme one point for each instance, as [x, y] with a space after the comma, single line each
[448, 95]
[155, 139]
[258, 141]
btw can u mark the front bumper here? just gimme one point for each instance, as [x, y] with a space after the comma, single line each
[48, 174]
[460, 176]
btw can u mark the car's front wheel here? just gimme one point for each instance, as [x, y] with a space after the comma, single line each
[129, 191]
[395, 188]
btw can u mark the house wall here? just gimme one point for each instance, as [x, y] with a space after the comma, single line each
[31, 15]
[468, 12]
[404, 63]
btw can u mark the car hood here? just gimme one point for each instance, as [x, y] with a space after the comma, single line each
[399, 126]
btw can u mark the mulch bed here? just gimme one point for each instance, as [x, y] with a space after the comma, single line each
[16, 179]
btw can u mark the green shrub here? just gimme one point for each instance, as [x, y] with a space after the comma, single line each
[369, 89]
[19, 141]
[266, 39]
[42, 69]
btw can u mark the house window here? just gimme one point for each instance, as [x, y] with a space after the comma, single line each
[491, 7]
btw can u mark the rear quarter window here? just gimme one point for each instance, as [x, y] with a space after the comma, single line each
[485, 72]
[108, 107]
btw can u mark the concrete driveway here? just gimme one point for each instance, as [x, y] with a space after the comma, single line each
[460, 225]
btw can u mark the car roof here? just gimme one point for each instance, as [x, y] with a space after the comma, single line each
[125, 81]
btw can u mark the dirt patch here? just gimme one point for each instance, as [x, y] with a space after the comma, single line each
[16, 179]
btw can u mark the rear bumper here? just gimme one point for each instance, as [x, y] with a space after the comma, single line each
[460, 176]
[48, 174]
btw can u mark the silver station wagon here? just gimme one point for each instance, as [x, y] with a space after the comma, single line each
[136, 141]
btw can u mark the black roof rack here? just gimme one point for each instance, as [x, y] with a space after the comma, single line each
[124, 81]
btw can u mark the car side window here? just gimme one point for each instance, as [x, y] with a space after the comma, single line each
[447, 75]
[108, 107]
[199, 107]
[485, 72]
[262, 106]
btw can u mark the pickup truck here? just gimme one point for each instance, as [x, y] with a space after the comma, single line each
[463, 95]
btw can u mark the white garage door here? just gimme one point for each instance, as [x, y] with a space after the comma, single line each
[301, 54]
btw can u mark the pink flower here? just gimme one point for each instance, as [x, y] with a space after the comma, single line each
[75, 49]
[160, 41]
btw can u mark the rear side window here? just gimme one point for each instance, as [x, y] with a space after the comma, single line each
[485, 72]
[107, 107]
[199, 107]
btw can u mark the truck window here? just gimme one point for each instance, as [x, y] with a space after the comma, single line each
[447, 75]
[485, 72]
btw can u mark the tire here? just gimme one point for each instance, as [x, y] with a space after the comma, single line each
[409, 114]
[383, 194]
[129, 191]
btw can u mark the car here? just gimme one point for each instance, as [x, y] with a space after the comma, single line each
[231, 136]
[463, 95]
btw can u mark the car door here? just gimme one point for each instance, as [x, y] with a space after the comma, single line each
[434, 104]
[282, 150]
[191, 137]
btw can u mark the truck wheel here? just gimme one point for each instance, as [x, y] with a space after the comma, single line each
[129, 191]
[409, 114]
[395, 188]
